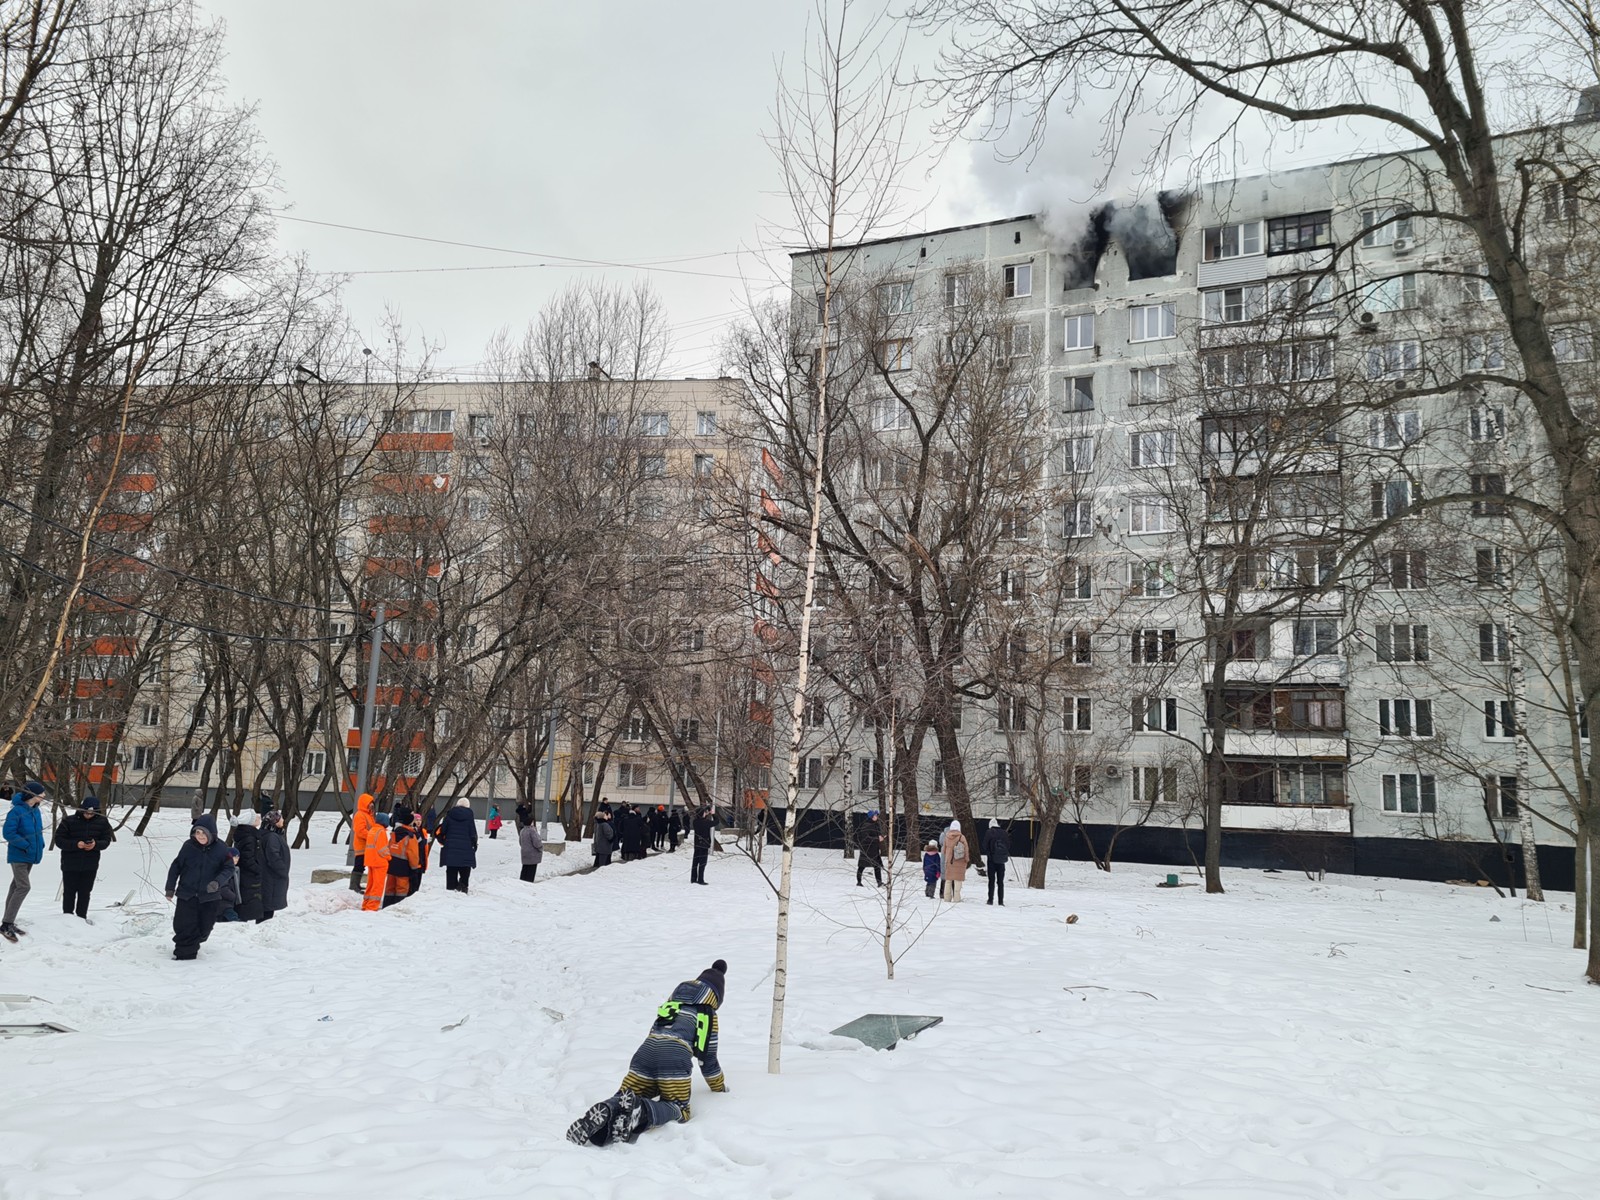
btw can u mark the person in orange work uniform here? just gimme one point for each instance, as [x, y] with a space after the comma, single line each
[360, 826]
[377, 862]
[405, 858]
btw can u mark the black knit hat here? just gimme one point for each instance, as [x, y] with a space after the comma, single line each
[714, 977]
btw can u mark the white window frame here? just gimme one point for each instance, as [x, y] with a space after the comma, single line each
[1152, 448]
[899, 298]
[1499, 720]
[1077, 714]
[1149, 514]
[1149, 385]
[1078, 519]
[957, 288]
[1394, 430]
[1234, 305]
[1162, 317]
[1405, 718]
[1078, 332]
[1154, 714]
[705, 423]
[655, 424]
[1078, 455]
[1486, 423]
[1154, 786]
[1382, 225]
[1153, 579]
[1424, 794]
[1390, 646]
[1239, 240]
[1017, 281]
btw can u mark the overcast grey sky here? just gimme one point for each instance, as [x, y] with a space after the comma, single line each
[626, 131]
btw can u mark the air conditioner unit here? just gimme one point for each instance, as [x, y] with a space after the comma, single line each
[1368, 321]
[1113, 771]
[1403, 245]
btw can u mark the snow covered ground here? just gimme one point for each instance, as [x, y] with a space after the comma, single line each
[1353, 1038]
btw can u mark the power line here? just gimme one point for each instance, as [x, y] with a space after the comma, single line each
[563, 259]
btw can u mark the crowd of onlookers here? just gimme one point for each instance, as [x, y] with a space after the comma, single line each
[634, 832]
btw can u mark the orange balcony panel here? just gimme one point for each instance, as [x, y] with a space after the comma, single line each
[352, 740]
[755, 797]
[98, 774]
[112, 522]
[137, 483]
[760, 756]
[760, 713]
[87, 689]
[427, 443]
[115, 646]
[91, 731]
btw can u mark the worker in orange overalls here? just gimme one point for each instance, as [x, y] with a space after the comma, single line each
[360, 826]
[405, 858]
[377, 861]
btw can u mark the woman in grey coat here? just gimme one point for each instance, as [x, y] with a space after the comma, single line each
[274, 865]
[532, 851]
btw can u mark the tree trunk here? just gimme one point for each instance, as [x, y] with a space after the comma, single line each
[1580, 892]
[1213, 804]
[1593, 972]
[1519, 709]
[1044, 837]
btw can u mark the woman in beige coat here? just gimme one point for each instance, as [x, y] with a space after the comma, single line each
[957, 854]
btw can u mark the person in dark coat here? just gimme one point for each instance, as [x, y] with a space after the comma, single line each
[997, 850]
[228, 893]
[634, 834]
[674, 830]
[658, 827]
[604, 838]
[80, 838]
[275, 856]
[704, 822]
[195, 880]
[869, 845]
[524, 816]
[458, 845]
[430, 821]
[247, 841]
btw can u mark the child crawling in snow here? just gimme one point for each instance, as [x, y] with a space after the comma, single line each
[656, 1089]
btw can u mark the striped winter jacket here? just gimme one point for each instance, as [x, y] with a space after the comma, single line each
[692, 998]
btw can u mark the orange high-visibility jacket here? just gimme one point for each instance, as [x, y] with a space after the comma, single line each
[404, 858]
[377, 852]
[361, 824]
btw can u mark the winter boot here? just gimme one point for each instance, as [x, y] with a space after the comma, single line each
[630, 1120]
[9, 932]
[593, 1128]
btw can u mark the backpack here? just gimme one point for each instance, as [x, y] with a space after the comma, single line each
[960, 850]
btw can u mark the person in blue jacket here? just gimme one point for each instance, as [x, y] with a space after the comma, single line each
[932, 867]
[458, 845]
[24, 835]
[196, 880]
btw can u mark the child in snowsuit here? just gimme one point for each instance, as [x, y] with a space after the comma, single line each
[655, 1090]
[931, 868]
[494, 822]
[377, 863]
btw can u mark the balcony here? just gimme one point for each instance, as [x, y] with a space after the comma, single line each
[1322, 671]
[1287, 818]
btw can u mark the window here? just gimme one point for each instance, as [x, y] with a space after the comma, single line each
[1500, 796]
[150, 716]
[834, 304]
[895, 354]
[705, 423]
[1403, 570]
[1079, 580]
[1304, 231]
[1494, 643]
[1405, 718]
[354, 425]
[1402, 643]
[1153, 646]
[1013, 584]
[1150, 514]
[636, 729]
[477, 508]
[955, 291]
[191, 762]
[888, 413]
[1572, 343]
[316, 764]
[1013, 714]
[1394, 497]
[1077, 714]
[1484, 352]
[1383, 225]
[704, 465]
[1232, 241]
[348, 509]
[1559, 202]
[1408, 793]
[1013, 525]
[814, 714]
[100, 753]
[1310, 783]
[1499, 720]
[1018, 281]
[1488, 486]
[1079, 393]
[480, 427]
[1150, 385]
[1490, 567]
[1153, 580]
[1078, 453]
[1079, 519]
[655, 424]
[1005, 779]
[436, 420]
[1301, 296]
[1393, 430]
[653, 466]
[1391, 295]
[871, 778]
[897, 299]
[1015, 341]
[1486, 423]
[632, 775]
[811, 773]
[1154, 786]
[1077, 647]
[1158, 448]
[1305, 709]
[1151, 322]
[1475, 287]
[1391, 360]
[1016, 399]
[1155, 714]
[1244, 645]
[1315, 636]
[1229, 306]
[688, 731]
[144, 758]
[1079, 332]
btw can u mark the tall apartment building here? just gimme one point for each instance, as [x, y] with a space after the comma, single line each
[1396, 721]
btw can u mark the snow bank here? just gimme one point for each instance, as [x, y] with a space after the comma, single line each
[1348, 1038]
